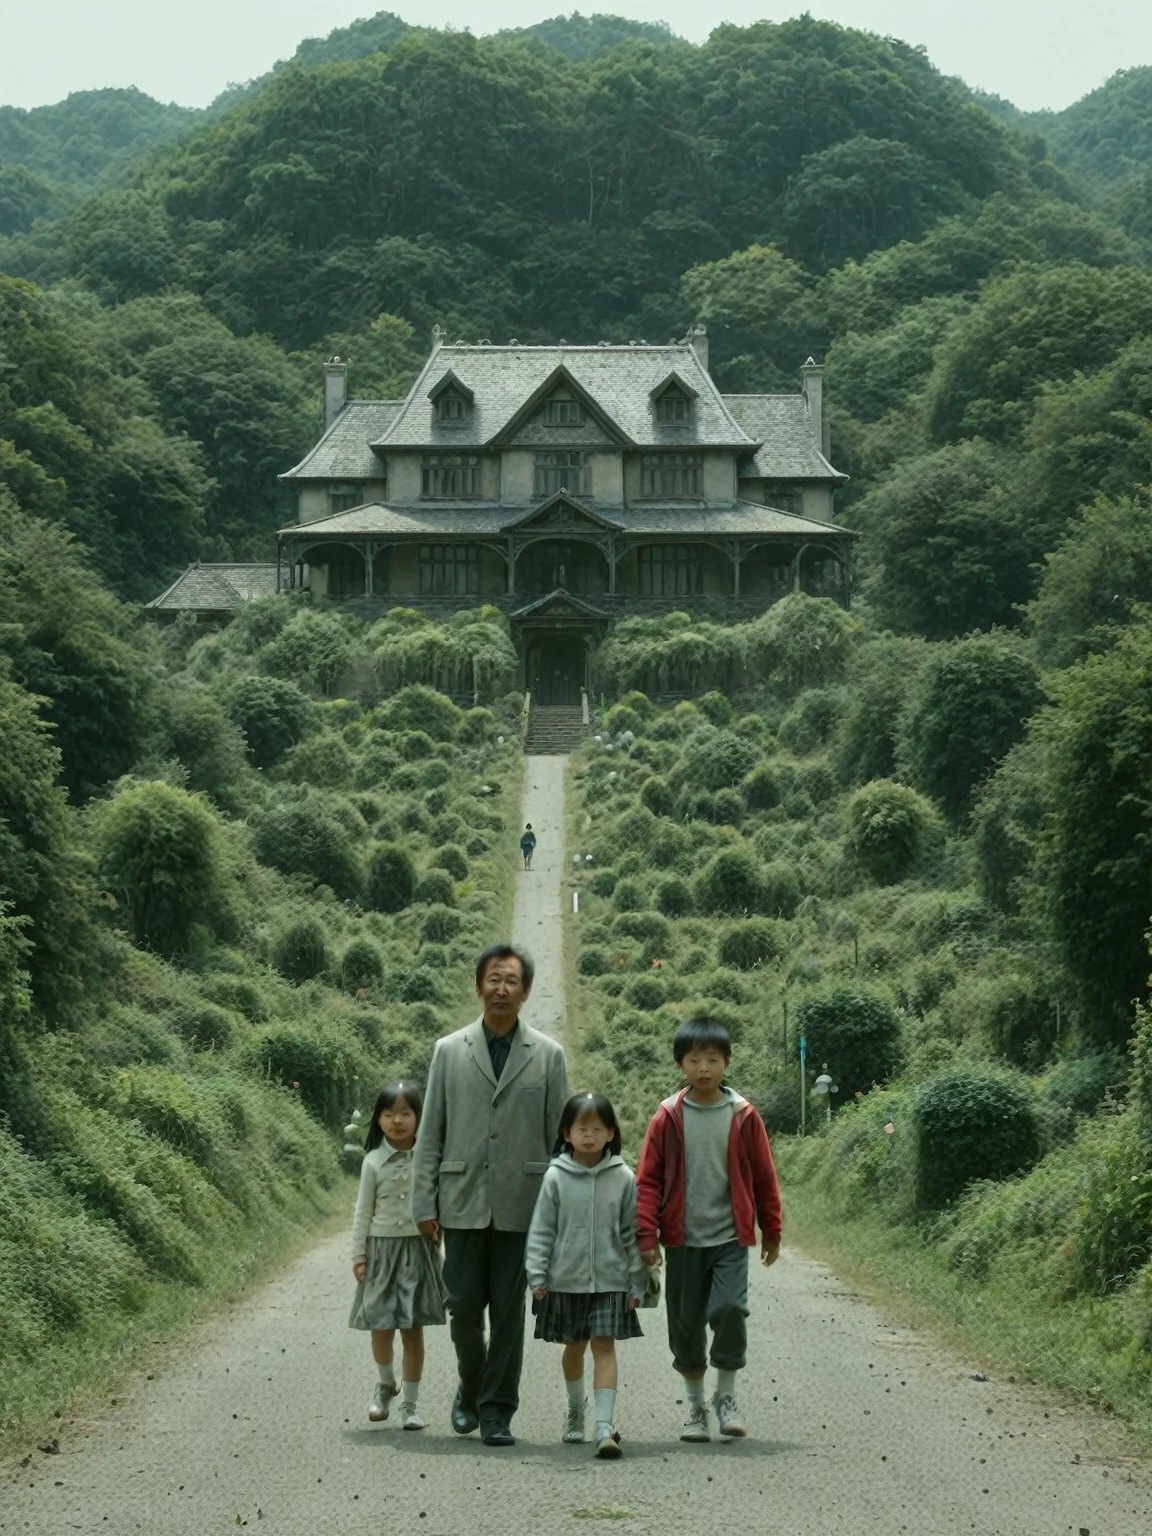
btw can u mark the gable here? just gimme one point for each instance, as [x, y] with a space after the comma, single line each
[562, 513]
[560, 384]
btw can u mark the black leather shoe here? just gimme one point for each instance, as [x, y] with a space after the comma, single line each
[497, 1433]
[464, 1420]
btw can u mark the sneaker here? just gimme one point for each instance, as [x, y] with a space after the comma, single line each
[410, 1416]
[696, 1424]
[607, 1443]
[728, 1418]
[381, 1405]
[573, 1433]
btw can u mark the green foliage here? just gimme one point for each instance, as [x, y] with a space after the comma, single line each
[419, 708]
[762, 788]
[361, 965]
[273, 715]
[314, 649]
[715, 707]
[749, 944]
[160, 852]
[780, 890]
[301, 951]
[812, 719]
[391, 880]
[803, 642]
[628, 895]
[713, 759]
[889, 828]
[969, 706]
[657, 796]
[971, 1123]
[323, 760]
[452, 859]
[436, 886]
[730, 884]
[879, 676]
[857, 1032]
[674, 896]
[307, 836]
[474, 652]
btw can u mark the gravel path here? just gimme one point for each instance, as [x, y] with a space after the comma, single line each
[260, 1416]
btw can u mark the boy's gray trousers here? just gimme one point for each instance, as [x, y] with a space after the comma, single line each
[707, 1287]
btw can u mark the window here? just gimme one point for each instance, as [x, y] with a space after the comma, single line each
[673, 407]
[561, 472]
[452, 569]
[451, 406]
[346, 575]
[562, 412]
[341, 497]
[672, 476]
[669, 570]
[451, 475]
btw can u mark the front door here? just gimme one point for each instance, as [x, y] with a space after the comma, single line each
[555, 669]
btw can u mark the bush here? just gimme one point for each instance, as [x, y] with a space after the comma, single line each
[603, 882]
[273, 714]
[161, 853]
[656, 796]
[361, 965]
[728, 808]
[437, 888]
[323, 1066]
[889, 828]
[645, 928]
[971, 1123]
[729, 884]
[322, 760]
[204, 1026]
[419, 984]
[746, 945]
[391, 882]
[761, 789]
[476, 727]
[812, 720]
[240, 994]
[1019, 1018]
[315, 647]
[301, 951]
[635, 829]
[452, 858]
[856, 1032]
[621, 719]
[674, 897]
[305, 836]
[1079, 1083]
[818, 782]
[440, 923]
[781, 890]
[714, 759]
[417, 708]
[593, 962]
[669, 847]
[645, 993]
[715, 707]
[629, 895]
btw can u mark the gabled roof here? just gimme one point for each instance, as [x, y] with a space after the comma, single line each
[674, 381]
[558, 602]
[216, 588]
[449, 381]
[562, 510]
[561, 375]
[620, 380]
[783, 427]
[344, 452]
[375, 520]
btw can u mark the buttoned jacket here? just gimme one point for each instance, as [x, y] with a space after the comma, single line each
[484, 1146]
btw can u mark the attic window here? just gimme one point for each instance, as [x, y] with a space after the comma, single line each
[451, 406]
[341, 497]
[673, 406]
[562, 411]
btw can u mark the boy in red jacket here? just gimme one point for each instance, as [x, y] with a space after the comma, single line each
[705, 1179]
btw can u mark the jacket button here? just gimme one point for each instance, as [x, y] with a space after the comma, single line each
[493, 1136]
[485, 1165]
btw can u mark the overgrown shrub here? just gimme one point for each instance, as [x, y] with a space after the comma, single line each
[780, 890]
[728, 808]
[889, 828]
[746, 945]
[761, 788]
[657, 797]
[715, 707]
[629, 895]
[417, 708]
[645, 993]
[306, 836]
[729, 884]
[440, 924]
[645, 928]
[361, 965]
[437, 888]
[301, 951]
[856, 1032]
[452, 858]
[811, 721]
[273, 714]
[714, 759]
[391, 882]
[674, 896]
[593, 961]
[322, 1065]
[971, 1123]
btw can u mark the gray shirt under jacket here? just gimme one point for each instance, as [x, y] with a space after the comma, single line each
[582, 1240]
[485, 1142]
[708, 1218]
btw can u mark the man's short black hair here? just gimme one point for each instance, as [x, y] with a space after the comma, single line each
[506, 952]
[701, 1033]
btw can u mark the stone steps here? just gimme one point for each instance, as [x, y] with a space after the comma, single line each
[554, 730]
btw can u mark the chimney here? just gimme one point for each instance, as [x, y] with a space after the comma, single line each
[698, 340]
[812, 374]
[335, 389]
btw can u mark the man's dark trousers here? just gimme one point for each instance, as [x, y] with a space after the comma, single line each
[485, 1269]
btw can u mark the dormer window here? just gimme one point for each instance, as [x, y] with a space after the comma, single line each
[673, 407]
[562, 411]
[451, 406]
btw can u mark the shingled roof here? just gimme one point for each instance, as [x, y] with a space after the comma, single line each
[619, 380]
[216, 588]
[345, 452]
[782, 426]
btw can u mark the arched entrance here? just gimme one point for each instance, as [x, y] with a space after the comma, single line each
[573, 565]
[555, 666]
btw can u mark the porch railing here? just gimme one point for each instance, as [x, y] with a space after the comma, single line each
[525, 718]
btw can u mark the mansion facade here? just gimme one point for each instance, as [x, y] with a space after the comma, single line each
[569, 485]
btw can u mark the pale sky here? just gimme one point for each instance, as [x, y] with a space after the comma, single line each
[1038, 53]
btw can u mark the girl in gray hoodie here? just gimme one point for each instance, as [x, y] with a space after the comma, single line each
[583, 1262]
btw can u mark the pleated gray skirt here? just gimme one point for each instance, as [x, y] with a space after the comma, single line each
[402, 1286]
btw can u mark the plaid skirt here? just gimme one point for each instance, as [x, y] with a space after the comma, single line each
[563, 1318]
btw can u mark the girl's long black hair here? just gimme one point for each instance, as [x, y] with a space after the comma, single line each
[387, 1097]
[588, 1104]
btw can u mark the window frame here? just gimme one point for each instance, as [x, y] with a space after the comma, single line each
[684, 470]
[673, 398]
[663, 558]
[549, 478]
[562, 411]
[468, 467]
[435, 560]
[452, 407]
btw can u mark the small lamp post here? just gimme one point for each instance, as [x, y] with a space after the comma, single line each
[827, 1087]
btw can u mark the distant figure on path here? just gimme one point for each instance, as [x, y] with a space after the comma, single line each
[496, 1091]
[397, 1268]
[584, 1267]
[528, 844]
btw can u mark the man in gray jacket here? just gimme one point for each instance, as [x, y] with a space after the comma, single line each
[495, 1094]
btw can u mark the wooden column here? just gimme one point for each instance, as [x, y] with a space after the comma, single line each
[369, 557]
[611, 564]
[279, 555]
[511, 583]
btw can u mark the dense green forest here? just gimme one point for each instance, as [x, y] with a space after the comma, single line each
[239, 870]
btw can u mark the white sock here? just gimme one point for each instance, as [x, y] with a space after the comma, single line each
[726, 1384]
[411, 1390]
[694, 1388]
[386, 1374]
[605, 1407]
[575, 1390]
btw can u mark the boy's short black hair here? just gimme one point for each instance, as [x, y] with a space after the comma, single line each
[704, 1032]
[506, 952]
